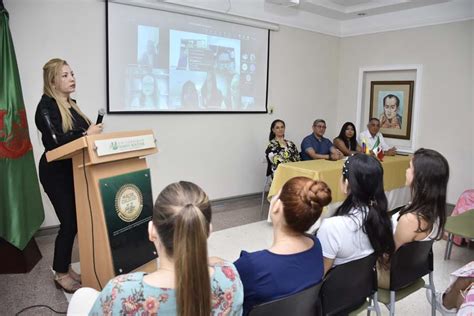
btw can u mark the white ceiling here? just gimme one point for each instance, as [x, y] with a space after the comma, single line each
[353, 9]
[341, 17]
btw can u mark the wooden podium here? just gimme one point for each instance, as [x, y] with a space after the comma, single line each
[89, 166]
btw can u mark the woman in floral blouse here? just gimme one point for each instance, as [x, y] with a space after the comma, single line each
[279, 150]
[185, 283]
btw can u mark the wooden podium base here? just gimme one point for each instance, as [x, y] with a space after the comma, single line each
[16, 260]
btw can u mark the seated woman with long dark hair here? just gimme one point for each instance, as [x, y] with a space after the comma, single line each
[294, 262]
[184, 283]
[346, 142]
[280, 150]
[361, 225]
[424, 218]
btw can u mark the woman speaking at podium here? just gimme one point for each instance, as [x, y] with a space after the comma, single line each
[60, 121]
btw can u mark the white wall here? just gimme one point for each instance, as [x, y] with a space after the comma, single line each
[472, 102]
[303, 81]
[222, 153]
[447, 112]
[311, 76]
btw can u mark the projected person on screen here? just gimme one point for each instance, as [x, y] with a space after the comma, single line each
[183, 62]
[225, 62]
[212, 97]
[146, 99]
[235, 92]
[189, 96]
[150, 56]
[224, 66]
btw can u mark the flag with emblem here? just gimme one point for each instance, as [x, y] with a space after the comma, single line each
[21, 207]
[378, 152]
[377, 149]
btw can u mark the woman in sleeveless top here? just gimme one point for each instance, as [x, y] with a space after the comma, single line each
[424, 218]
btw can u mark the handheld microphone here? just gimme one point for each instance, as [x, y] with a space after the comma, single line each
[100, 116]
[49, 125]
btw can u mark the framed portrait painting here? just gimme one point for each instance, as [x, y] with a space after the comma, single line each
[392, 103]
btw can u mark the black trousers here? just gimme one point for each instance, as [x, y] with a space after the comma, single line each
[58, 183]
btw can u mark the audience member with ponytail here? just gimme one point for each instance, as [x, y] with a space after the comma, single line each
[294, 262]
[184, 283]
[361, 225]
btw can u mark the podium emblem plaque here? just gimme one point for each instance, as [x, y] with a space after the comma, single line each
[128, 207]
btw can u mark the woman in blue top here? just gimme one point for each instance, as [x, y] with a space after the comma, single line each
[294, 262]
[184, 283]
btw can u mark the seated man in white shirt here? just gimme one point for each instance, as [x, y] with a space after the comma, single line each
[373, 138]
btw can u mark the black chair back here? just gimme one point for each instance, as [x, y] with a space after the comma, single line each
[396, 210]
[304, 303]
[347, 286]
[269, 166]
[410, 262]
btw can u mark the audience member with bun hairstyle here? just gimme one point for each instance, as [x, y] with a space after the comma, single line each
[294, 262]
[184, 283]
[361, 225]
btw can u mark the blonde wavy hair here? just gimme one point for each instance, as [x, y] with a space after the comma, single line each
[52, 71]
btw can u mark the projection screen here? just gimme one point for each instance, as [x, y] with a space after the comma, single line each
[159, 62]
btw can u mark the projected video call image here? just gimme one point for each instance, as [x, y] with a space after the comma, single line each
[146, 85]
[204, 72]
[148, 46]
[167, 69]
[146, 89]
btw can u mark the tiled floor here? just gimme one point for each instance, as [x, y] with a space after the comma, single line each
[37, 287]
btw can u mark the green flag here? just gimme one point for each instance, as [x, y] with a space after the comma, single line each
[21, 207]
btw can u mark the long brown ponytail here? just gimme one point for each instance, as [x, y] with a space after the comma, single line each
[182, 216]
[193, 295]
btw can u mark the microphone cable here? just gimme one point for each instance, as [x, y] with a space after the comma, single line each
[40, 306]
[90, 213]
[93, 244]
